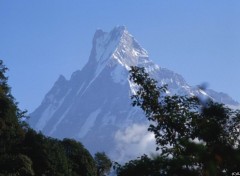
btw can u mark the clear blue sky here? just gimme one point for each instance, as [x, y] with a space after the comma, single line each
[39, 40]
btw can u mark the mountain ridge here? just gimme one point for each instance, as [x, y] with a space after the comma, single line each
[94, 105]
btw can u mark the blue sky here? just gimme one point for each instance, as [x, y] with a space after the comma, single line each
[39, 40]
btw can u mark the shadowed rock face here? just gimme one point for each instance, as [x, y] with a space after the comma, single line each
[94, 105]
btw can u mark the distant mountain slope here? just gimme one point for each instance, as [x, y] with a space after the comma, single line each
[94, 106]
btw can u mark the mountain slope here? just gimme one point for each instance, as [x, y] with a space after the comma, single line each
[94, 106]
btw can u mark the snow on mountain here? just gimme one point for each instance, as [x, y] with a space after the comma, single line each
[94, 106]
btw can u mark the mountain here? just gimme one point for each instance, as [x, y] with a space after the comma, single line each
[94, 105]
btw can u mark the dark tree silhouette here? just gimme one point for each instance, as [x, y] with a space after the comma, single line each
[195, 137]
[26, 152]
[103, 163]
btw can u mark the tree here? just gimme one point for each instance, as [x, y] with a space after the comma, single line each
[80, 161]
[16, 165]
[103, 163]
[48, 154]
[11, 126]
[142, 166]
[195, 137]
[24, 151]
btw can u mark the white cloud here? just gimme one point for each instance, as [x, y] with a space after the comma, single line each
[133, 142]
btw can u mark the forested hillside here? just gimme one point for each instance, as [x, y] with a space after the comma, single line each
[25, 152]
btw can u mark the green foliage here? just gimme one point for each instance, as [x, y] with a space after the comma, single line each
[59, 158]
[25, 152]
[103, 163]
[47, 154]
[11, 130]
[80, 162]
[152, 166]
[16, 165]
[195, 137]
[142, 166]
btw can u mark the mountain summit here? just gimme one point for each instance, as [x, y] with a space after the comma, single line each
[94, 106]
[117, 47]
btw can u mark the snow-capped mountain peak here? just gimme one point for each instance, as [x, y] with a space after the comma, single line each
[94, 106]
[117, 46]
